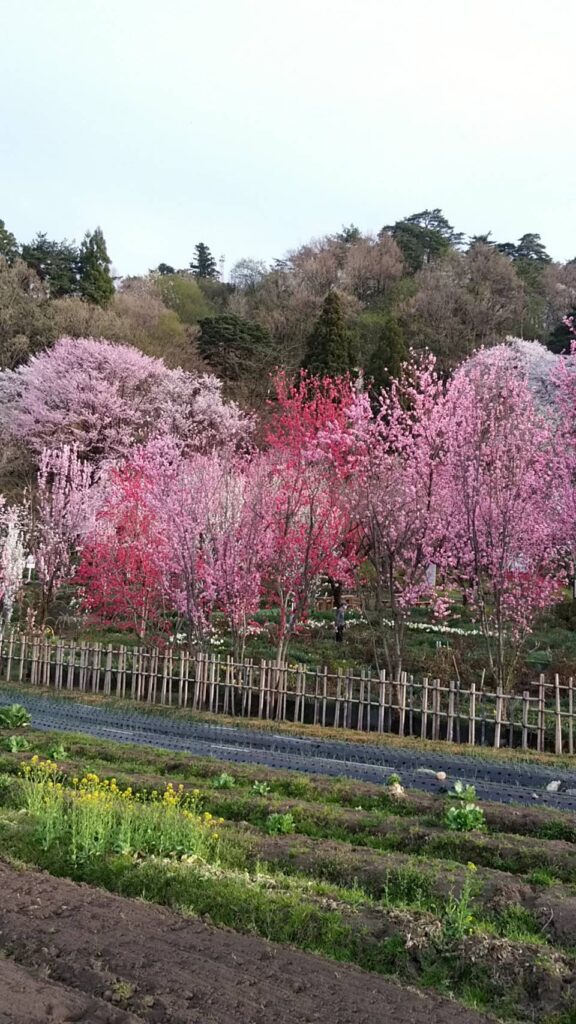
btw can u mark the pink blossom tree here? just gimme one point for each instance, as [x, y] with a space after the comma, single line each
[564, 380]
[507, 485]
[395, 467]
[241, 543]
[179, 533]
[308, 527]
[104, 398]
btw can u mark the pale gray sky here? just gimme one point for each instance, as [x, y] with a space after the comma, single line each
[254, 125]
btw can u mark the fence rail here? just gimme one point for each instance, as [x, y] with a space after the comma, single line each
[540, 718]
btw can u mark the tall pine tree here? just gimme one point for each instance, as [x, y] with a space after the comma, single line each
[96, 284]
[203, 264]
[329, 351]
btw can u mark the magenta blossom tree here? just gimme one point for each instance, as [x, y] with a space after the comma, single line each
[103, 398]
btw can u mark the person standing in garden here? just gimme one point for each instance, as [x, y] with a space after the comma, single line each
[340, 622]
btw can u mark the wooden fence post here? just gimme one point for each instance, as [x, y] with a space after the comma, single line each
[558, 715]
[571, 715]
[381, 699]
[472, 716]
[424, 709]
[450, 718]
[541, 714]
[498, 719]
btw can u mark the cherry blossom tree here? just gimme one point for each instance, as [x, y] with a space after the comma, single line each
[12, 556]
[241, 542]
[507, 486]
[104, 398]
[564, 379]
[178, 534]
[64, 506]
[396, 485]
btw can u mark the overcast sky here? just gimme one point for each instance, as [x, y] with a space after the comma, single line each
[254, 125]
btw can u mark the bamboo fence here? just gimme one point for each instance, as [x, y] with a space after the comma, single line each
[541, 717]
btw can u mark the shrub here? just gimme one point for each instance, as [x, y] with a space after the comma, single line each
[261, 788]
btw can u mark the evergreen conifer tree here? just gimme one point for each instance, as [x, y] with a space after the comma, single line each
[232, 344]
[330, 350]
[203, 264]
[56, 263]
[561, 338]
[9, 248]
[96, 284]
[390, 352]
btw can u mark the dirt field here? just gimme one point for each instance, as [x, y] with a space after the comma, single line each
[74, 953]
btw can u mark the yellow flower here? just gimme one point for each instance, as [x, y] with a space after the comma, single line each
[471, 866]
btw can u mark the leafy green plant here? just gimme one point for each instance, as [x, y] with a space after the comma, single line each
[466, 818]
[15, 744]
[224, 781]
[394, 780]
[261, 788]
[280, 824]
[58, 752]
[463, 791]
[14, 717]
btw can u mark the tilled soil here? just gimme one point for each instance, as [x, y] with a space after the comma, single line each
[75, 953]
[26, 998]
